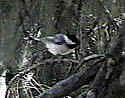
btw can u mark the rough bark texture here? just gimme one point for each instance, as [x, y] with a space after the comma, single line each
[65, 16]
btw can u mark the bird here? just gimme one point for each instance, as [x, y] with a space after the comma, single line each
[60, 44]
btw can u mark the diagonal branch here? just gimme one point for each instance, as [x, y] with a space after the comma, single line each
[72, 83]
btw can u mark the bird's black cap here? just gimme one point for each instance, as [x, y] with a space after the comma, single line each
[73, 38]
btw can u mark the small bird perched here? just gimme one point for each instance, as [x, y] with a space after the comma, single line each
[60, 44]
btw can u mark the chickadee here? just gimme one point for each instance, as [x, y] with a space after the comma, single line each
[60, 44]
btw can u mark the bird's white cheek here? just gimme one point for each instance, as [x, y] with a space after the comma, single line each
[58, 49]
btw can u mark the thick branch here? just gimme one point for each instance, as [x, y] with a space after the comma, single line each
[72, 83]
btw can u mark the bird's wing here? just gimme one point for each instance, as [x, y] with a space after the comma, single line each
[59, 39]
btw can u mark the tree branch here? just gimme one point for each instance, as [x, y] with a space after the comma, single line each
[72, 83]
